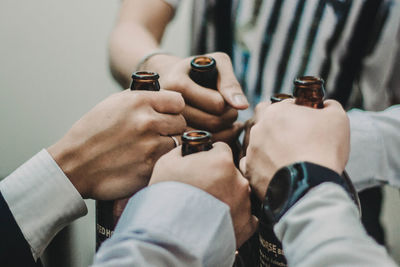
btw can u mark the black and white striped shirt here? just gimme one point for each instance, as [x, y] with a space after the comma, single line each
[352, 45]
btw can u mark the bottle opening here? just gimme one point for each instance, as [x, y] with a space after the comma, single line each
[145, 75]
[196, 135]
[203, 63]
[309, 91]
[308, 80]
[280, 97]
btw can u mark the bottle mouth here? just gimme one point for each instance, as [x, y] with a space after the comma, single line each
[308, 80]
[196, 135]
[280, 97]
[145, 75]
[203, 63]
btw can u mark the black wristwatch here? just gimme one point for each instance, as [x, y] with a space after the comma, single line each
[291, 183]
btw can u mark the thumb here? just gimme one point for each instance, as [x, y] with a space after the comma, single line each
[249, 230]
[228, 85]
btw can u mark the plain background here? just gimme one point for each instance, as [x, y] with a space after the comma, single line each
[53, 69]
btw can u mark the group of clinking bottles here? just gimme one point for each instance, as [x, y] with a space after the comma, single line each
[263, 248]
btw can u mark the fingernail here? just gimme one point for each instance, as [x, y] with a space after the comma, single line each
[240, 100]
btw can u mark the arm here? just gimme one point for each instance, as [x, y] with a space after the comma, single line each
[375, 154]
[42, 201]
[171, 224]
[97, 158]
[324, 229]
[181, 219]
[138, 32]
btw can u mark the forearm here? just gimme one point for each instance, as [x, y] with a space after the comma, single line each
[138, 32]
[171, 224]
[323, 229]
[125, 50]
[375, 155]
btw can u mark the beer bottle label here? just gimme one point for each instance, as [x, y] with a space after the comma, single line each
[271, 253]
[104, 222]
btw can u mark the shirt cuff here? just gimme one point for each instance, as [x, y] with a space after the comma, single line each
[197, 222]
[42, 200]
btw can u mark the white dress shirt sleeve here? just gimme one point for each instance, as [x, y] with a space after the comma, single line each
[324, 229]
[42, 200]
[375, 148]
[171, 224]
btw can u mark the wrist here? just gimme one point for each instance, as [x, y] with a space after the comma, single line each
[289, 184]
[155, 61]
[69, 161]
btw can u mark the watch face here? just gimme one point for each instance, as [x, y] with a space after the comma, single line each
[278, 190]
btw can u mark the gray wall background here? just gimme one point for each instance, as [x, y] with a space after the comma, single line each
[53, 69]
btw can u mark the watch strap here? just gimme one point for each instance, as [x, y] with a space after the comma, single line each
[299, 178]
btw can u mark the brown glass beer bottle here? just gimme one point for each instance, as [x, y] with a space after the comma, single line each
[308, 91]
[145, 81]
[280, 97]
[109, 211]
[203, 71]
[196, 141]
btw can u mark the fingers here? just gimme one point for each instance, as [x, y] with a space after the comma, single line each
[200, 97]
[222, 148]
[165, 101]
[168, 124]
[173, 140]
[332, 105]
[202, 120]
[247, 231]
[228, 85]
[175, 152]
[259, 110]
[242, 166]
[230, 134]
[245, 224]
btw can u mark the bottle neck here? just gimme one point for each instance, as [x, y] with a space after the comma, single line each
[309, 91]
[203, 71]
[196, 141]
[145, 81]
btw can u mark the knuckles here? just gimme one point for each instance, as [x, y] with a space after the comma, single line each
[219, 105]
[214, 123]
[232, 115]
[221, 56]
[146, 122]
[174, 84]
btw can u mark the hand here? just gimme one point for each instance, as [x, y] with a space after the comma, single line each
[110, 152]
[214, 172]
[206, 109]
[285, 133]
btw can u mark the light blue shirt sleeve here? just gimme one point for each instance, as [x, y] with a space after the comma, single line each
[171, 224]
[324, 229]
[375, 148]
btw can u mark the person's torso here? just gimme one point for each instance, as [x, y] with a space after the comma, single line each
[352, 45]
